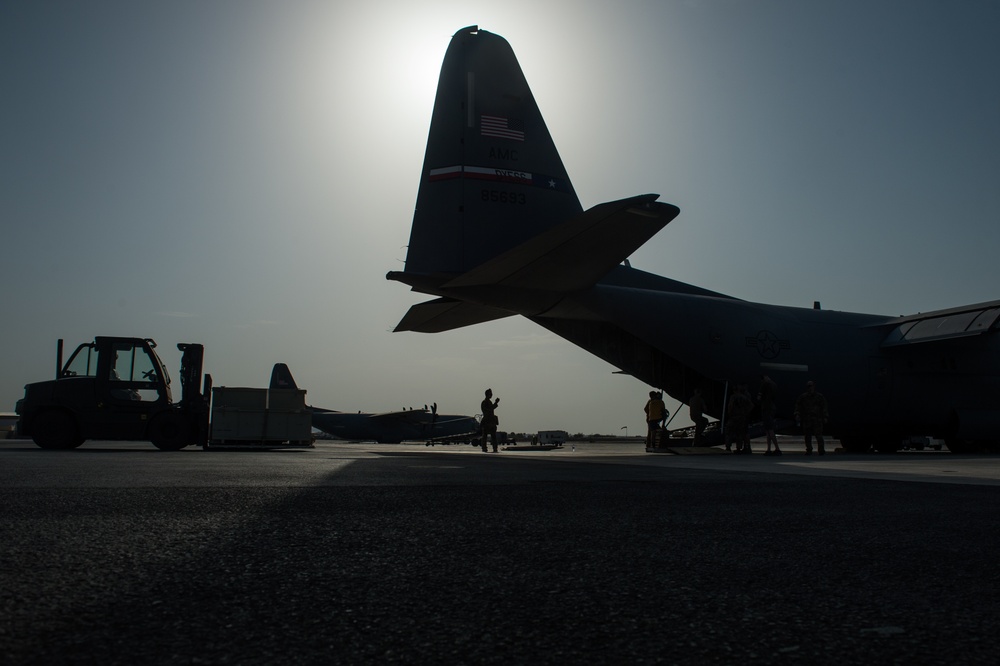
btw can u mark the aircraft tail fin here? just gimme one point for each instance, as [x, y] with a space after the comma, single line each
[498, 229]
[281, 377]
[491, 177]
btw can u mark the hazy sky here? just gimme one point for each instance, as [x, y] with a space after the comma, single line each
[243, 174]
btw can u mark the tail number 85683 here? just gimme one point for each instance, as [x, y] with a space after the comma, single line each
[502, 196]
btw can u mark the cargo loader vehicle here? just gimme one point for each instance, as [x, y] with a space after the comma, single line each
[117, 388]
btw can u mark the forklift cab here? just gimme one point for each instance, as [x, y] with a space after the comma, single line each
[124, 371]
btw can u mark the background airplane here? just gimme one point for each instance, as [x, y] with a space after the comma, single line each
[423, 425]
[499, 231]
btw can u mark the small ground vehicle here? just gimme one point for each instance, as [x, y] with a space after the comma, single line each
[556, 437]
[117, 389]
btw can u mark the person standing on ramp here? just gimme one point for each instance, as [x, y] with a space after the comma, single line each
[811, 413]
[766, 398]
[656, 415]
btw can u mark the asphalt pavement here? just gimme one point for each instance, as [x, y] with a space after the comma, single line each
[122, 554]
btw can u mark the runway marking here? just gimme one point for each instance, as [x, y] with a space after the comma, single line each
[436, 466]
[884, 631]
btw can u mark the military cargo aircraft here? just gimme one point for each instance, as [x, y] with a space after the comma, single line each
[408, 425]
[499, 231]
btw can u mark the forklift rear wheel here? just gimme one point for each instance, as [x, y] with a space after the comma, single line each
[56, 429]
[170, 431]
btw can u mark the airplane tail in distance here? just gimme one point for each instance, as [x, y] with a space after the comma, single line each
[492, 177]
[281, 377]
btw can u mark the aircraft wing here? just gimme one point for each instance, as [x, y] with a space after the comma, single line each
[444, 314]
[415, 415]
[941, 325]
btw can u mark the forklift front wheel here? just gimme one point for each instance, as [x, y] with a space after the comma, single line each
[170, 431]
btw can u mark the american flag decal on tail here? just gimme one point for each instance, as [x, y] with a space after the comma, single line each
[501, 127]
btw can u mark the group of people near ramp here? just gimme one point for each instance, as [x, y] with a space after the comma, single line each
[811, 414]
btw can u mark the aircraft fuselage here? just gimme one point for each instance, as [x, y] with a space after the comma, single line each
[876, 391]
[409, 426]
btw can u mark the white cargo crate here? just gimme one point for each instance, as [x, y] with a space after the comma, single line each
[258, 417]
[227, 397]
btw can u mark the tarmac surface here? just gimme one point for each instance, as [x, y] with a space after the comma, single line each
[117, 553]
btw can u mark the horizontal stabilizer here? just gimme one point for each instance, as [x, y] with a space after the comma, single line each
[576, 254]
[445, 314]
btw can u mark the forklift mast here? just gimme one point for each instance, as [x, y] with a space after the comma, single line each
[192, 358]
[194, 402]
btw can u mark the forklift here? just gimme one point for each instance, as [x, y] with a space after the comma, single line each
[118, 389]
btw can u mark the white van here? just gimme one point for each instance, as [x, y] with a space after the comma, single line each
[550, 437]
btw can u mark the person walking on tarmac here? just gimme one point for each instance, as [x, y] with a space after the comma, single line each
[766, 396]
[811, 413]
[490, 421]
[656, 414]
